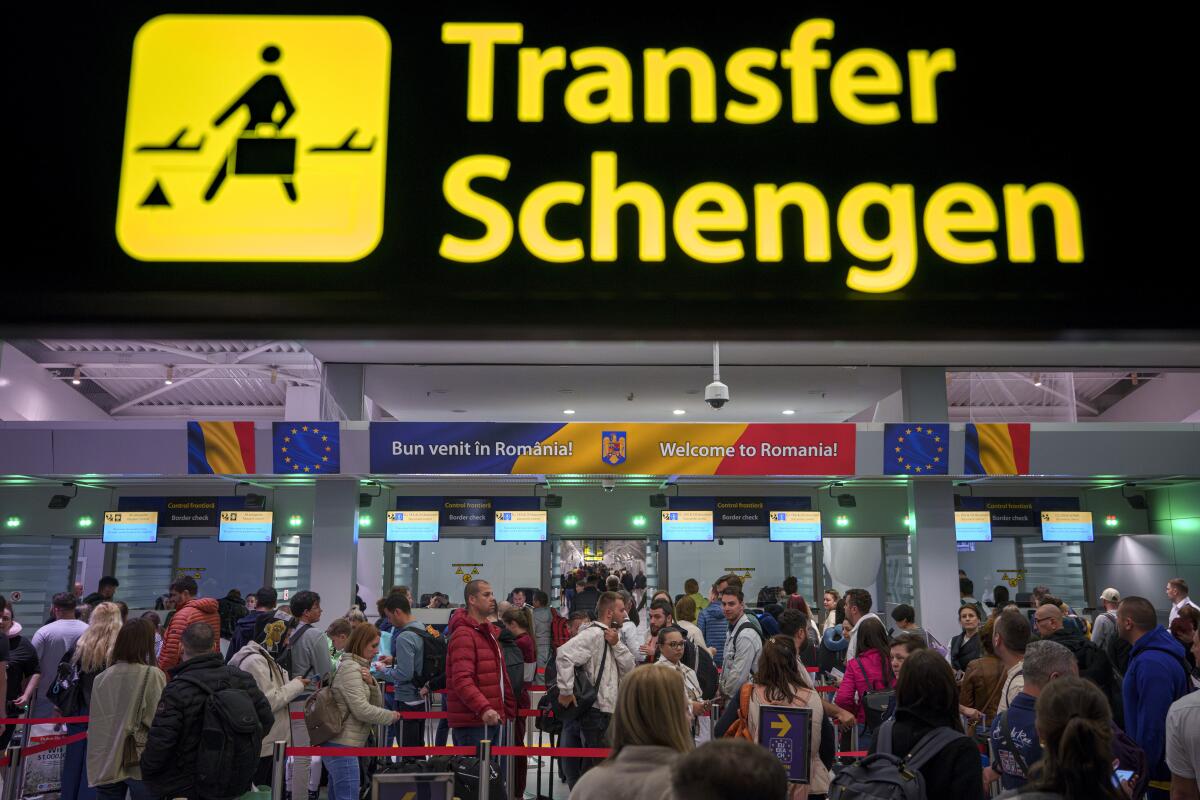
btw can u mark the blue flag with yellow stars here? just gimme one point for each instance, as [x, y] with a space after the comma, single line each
[306, 448]
[916, 448]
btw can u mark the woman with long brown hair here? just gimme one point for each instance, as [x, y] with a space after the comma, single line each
[124, 699]
[648, 733]
[777, 682]
[1075, 725]
[926, 700]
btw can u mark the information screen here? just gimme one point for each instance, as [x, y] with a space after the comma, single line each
[130, 526]
[1067, 526]
[795, 526]
[412, 526]
[520, 526]
[687, 526]
[245, 526]
[972, 526]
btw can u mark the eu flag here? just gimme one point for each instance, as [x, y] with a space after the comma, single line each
[916, 448]
[306, 448]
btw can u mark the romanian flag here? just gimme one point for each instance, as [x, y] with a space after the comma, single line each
[220, 448]
[997, 449]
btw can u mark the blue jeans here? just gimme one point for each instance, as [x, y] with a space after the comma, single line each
[74, 773]
[343, 775]
[116, 791]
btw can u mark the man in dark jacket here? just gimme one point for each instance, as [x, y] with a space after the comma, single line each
[587, 598]
[1093, 662]
[1156, 678]
[231, 608]
[104, 592]
[169, 760]
[245, 629]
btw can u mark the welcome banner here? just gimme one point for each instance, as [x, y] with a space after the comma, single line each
[501, 448]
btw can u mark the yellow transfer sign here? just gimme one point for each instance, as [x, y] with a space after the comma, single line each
[255, 138]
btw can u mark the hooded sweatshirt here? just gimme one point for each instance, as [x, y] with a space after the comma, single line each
[1156, 678]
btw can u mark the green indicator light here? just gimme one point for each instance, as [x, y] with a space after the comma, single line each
[85, 522]
[364, 520]
[1110, 521]
[639, 521]
[571, 521]
[12, 522]
[842, 520]
[295, 521]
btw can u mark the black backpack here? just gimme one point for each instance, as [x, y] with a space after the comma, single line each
[883, 776]
[432, 672]
[876, 703]
[230, 741]
[701, 662]
[284, 657]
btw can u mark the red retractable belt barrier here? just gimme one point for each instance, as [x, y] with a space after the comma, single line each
[41, 720]
[380, 751]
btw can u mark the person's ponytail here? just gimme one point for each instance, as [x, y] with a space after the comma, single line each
[1084, 758]
[1074, 720]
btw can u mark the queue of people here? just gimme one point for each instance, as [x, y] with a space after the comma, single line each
[1049, 696]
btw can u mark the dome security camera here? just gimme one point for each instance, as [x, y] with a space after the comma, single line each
[716, 394]
[609, 485]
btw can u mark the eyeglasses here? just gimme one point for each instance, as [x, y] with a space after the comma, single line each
[673, 644]
[1040, 620]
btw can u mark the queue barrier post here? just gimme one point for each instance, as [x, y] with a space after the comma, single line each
[485, 769]
[20, 768]
[510, 733]
[12, 773]
[278, 768]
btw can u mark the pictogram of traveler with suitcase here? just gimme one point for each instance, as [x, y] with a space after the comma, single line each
[260, 149]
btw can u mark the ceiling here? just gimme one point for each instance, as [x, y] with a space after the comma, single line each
[600, 381]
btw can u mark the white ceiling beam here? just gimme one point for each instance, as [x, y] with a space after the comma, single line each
[186, 380]
[1054, 392]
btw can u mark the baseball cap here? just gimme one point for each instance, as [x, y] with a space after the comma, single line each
[1111, 595]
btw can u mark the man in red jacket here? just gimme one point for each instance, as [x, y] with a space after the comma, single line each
[478, 690]
[188, 609]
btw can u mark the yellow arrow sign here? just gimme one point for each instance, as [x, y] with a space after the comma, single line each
[783, 726]
[409, 796]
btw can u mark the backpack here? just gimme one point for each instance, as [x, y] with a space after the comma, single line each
[230, 741]
[321, 716]
[284, 656]
[883, 776]
[1132, 757]
[68, 693]
[514, 664]
[701, 662]
[875, 702]
[560, 629]
[432, 671]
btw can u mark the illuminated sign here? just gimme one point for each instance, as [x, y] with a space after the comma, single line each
[268, 148]
[1067, 526]
[766, 171]
[687, 526]
[245, 526]
[412, 526]
[972, 526]
[124, 527]
[520, 526]
[795, 526]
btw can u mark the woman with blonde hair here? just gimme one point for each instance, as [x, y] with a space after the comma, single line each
[88, 658]
[649, 732]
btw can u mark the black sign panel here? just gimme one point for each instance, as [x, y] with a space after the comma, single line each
[741, 511]
[823, 170]
[1015, 512]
